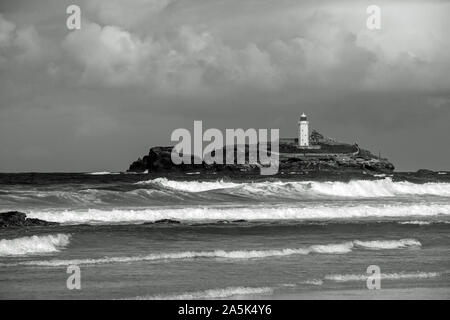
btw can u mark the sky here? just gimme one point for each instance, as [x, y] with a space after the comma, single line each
[97, 98]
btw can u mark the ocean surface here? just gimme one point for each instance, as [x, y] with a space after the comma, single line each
[291, 236]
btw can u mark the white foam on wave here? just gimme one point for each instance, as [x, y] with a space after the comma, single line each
[237, 254]
[101, 173]
[288, 285]
[190, 186]
[275, 212]
[313, 282]
[380, 188]
[211, 294]
[355, 188]
[33, 245]
[387, 244]
[416, 222]
[383, 276]
[333, 248]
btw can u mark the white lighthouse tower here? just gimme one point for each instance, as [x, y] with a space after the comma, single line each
[303, 132]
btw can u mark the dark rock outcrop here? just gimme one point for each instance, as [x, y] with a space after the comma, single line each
[220, 222]
[167, 221]
[19, 219]
[425, 172]
[163, 221]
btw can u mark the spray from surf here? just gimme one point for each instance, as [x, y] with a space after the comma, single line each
[33, 245]
[355, 188]
[254, 213]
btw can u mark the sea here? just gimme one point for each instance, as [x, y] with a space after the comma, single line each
[205, 236]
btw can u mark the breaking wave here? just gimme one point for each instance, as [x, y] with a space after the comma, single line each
[161, 191]
[416, 222]
[339, 248]
[280, 212]
[190, 186]
[33, 245]
[355, 188]
[387, 244]
[313, 282]
[210, 294]
[383, 276]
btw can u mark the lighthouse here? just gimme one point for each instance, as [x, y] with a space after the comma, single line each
[303, 132]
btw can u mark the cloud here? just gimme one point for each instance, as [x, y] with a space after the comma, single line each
[29, 44]
[107, 55]
[111, 56]
[6, 31]
[196, 58]
[19, 45]
[127, 14]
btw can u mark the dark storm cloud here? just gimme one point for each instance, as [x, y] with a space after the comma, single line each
[97, 98]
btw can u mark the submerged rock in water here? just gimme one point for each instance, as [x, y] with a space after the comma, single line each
[220, 222]
[168, 221]
[163, 221]
[425, 172]
[19, 219]
[230, 221]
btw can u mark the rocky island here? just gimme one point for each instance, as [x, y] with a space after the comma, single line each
[321, 154]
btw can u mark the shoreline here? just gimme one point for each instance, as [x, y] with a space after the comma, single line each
[441, 293]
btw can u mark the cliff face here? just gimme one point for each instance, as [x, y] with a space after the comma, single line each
[159, 159]
[332, 156]
[336, 163]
